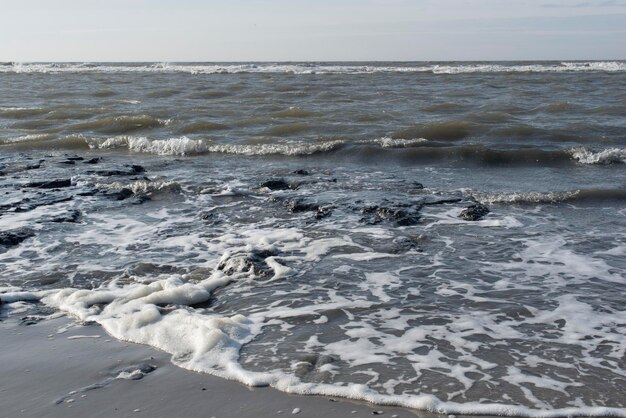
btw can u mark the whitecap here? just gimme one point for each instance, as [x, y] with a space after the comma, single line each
[605, 156]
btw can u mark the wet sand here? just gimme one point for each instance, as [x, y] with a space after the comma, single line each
[56, 368]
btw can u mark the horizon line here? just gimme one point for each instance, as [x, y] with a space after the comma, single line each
[10, 62]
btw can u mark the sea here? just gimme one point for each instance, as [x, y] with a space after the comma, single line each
[443, 236]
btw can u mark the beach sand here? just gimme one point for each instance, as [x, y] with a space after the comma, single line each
[57, 368]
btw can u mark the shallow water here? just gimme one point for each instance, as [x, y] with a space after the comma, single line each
[356, 277]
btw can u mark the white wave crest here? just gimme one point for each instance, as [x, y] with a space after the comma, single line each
[606, 156]
[186, 146]
[171, 146]
[276, 149]
[564, 67]
[387, 142]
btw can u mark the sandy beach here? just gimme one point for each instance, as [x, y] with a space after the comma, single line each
[58, 368]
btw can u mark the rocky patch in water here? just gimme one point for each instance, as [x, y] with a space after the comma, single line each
[15, 237]
[401, 215]
[299, 206]
[278, 184]
[72, 217]
[252, 263]
[50, 184]
[132, 171]
[33, 202]
[474, 212]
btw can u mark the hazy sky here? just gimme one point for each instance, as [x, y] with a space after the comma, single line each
[279, 30]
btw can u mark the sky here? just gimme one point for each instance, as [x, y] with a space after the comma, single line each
[311, 30]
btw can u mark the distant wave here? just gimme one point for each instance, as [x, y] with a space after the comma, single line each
[378, 149]
[317, 68]
[121, 124]
[425, 151]
[550, 197]
[22, 112]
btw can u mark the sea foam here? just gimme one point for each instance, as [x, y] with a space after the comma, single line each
[211, 343]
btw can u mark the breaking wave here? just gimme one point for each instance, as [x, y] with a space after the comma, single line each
[186, 146]
[411, 150]
[606, 156]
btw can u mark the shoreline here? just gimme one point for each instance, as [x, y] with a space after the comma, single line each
[56, 367]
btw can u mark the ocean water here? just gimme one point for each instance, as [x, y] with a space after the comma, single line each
[301, 225]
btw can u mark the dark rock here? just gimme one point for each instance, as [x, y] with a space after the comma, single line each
[93, 161]
[417, 185]
[299, 206]
[141, 199]
[68, 162]
[123, 194]
[29, 320]
[403, 244]
[52, 184]
[33, 167]
[75, 158]
[138, 372]
[301, 172]
[72, 216]
[442, 201]
[402, 217]
[134, 169]
[108, 173]
[27, 204]
[211, 218]
[474, 212]
[146, 268]
[323, 212]
[279, 184]
[92, 192]
[253, 262]
[15, 237]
